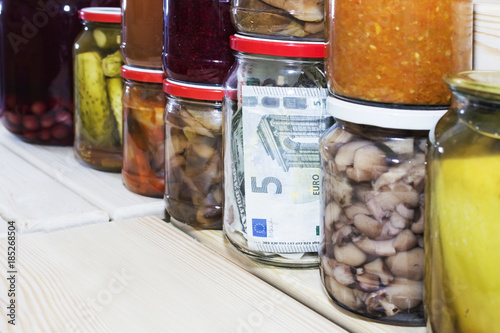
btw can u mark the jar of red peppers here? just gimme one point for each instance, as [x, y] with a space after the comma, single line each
[37, 75]
[193, 154]
[142, 32]
[143, 131]
[196, 40]
[397, 51]
[99, 90]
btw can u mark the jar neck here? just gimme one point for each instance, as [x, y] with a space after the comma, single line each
[376, 133]
[478, 113]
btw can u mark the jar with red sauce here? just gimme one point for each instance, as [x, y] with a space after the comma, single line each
[396, 52]
[143, 131]
[193, 154]
[142, 32]
[196, 40]
[37, 75]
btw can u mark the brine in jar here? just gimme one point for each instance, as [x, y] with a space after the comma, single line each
[397, 52]
[143, 170]
[193, 154]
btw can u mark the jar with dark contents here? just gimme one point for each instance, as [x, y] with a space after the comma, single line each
[373, 174]
[294, 20]
[275, 112]
[193, 154]
[196, 40]
[37, 68]
[397, 52]
[99, 90]
[142, 33]
[143, 170]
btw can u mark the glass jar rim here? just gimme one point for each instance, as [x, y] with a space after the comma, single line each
[395, 118]
[101, 14]
[142, 74]
[484, 83]
[194, 91]
[275, 47]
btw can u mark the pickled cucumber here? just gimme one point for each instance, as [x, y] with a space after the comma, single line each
[115, 92]
[93, 105]
[112, 64]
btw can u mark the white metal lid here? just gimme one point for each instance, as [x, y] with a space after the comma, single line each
[397, 118]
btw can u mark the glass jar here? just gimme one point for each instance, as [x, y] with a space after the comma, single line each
[298, 19]
[196, 40]
[143, 170]
[142, 33]
[99, 90]
[193, 163]
[275, 112]
[397, 52]
[462, 281]
[373, 174]
[37, 75]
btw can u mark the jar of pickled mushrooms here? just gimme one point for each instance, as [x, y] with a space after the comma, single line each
[462, 280]
[275, 112]
[294, 20]
[373, 171]
[193, 154]
[143, 170]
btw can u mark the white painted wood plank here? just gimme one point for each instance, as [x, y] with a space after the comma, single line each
[143, 275]
[302, 284]
[3, 228]
[37, 202]
[487, 35]
[104, 190]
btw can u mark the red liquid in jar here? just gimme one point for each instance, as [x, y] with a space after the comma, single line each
[196, 40]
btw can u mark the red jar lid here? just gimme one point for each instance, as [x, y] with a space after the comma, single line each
[142, 74]
[101, 14]
[194, 91]
[279, 48]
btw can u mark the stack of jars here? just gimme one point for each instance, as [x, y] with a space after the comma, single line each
[196, 58]
[143, 98]
[384, 76]
[274, 114]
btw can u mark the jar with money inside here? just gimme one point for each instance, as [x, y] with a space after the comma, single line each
[274, 114]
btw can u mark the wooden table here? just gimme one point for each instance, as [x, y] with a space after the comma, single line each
[94, 257]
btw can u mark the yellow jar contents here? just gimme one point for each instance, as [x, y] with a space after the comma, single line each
[467, 222]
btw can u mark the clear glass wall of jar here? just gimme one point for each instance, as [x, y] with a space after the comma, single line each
[373, 175]
[143, 170]
[196, 40]
[462, 280]
[294, 20]
[37, 75]
[193, 164]
[142, 33]
[398, 51]
[275, 112]
[99, 90]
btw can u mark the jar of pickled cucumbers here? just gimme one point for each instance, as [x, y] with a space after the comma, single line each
[193, 154]
[396, 52]
[294, 20]
[143, 170]
[275, 112]
[462, 280]
[373, 172]
[99, 90]
[36, 67]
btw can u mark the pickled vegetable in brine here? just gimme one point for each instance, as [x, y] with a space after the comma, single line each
[463, 290]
